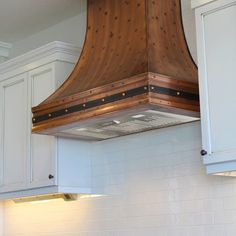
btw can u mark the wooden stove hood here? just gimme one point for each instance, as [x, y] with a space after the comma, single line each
[135, 58]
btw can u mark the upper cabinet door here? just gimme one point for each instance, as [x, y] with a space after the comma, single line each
[43, 147]
[13, 140]
[216, 33]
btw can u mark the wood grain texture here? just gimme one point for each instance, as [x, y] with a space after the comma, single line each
[128, 43]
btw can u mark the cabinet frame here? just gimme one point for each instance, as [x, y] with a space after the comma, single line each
[59, 59]
[220, 161]
[53, 162]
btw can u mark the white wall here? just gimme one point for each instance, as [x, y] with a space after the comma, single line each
[189, 27]
[157, 186]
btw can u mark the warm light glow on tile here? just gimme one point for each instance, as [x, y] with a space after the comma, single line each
[42, 201]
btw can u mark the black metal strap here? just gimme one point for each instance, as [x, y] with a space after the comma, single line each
[117, 97]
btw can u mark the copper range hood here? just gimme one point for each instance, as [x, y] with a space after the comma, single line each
[135, 73]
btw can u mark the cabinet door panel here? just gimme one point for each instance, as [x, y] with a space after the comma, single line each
[14, 136]
[221, 43]
[43, 147]
[219, 88]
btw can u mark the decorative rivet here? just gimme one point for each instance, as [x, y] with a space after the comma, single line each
[145, 87]
[34, 119]
[66, 110]
[178, 93]
[123, 94]
[103, 99]
[152, 87]
[84, 105]
[49, 115]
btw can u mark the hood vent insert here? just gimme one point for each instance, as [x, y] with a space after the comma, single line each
[135, 62]
[144, 121]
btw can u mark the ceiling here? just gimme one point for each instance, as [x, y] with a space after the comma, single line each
[21, 18]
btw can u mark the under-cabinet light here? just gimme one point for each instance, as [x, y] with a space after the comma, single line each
[81, 129]
[50, 197]
[116, 122]
[138, 116]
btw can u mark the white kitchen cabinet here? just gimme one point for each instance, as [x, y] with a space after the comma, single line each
[216, 37]
[32, 164]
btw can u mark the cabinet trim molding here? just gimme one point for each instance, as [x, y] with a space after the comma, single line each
[54, 51]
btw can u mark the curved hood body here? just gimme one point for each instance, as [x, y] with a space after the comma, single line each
[135, 73]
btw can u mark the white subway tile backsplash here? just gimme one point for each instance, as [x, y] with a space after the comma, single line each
[155, 185]
[228, 217]
[215, 230]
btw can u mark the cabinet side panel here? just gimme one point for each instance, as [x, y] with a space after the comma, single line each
[74, 163]
[1, 133]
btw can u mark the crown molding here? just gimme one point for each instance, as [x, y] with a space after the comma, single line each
[4, 49]
[54, 51]
[198, 3]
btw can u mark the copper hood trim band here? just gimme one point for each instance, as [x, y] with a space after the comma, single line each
[117, 97]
